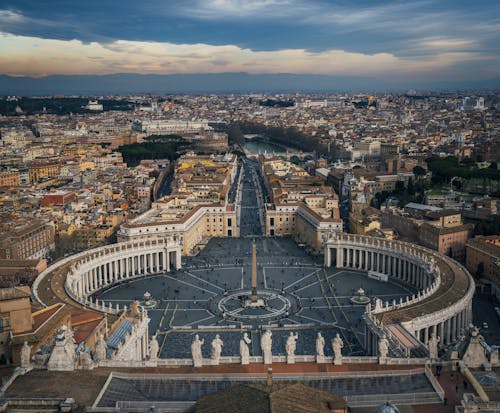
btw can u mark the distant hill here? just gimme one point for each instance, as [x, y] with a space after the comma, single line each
[213, 83]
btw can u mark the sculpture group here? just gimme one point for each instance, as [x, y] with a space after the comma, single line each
[266, 344]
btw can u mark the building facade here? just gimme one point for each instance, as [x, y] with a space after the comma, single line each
[27, 241]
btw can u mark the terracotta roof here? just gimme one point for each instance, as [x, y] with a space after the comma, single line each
[84, 323]
[14, 293]
[486, 244]
[19, 263]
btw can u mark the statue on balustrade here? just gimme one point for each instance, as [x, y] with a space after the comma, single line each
[291, 345]
[25, 355]
[433, 347]
[101, 348]
[217, 344]
[134, 309]
[320, 348]
[86, 362]
[244, 351]
[337, 345]
[70, 342]
[154, 348]
[383, 348]
[196, 351]
[266, 344]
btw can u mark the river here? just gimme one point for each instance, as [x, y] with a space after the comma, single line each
[258, 146]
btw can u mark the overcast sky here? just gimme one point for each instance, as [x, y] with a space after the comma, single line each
[417, 40]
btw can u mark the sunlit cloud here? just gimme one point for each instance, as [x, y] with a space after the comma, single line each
[448, 44]
[224, 9]
[22, 55]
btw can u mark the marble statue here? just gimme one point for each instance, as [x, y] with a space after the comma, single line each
[154, 348]
[196, 351]
[70, 341]
[266, 344]
[134, 309]
[320, 348]
[337, 345]
[244, 351]
[291, 345]
[25, 355]
[101, 348]
[86, 360]
[217, 344]
[433, 347]
[62, 357]
[383, 348]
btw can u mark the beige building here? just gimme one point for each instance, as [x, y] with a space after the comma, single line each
[27, 240]
[483, 259]
[301, 205]
[15, 316]
[198, 208]
[191, 226]
[10, 178]
[446, 234]
[39, 171]
[15, 272]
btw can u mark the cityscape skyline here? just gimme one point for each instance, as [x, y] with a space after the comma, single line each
[393, 43]
[250, 206]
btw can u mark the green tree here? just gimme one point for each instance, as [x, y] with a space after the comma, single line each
[400, 187]
[411, 188]
[235, 136]
[418, 171]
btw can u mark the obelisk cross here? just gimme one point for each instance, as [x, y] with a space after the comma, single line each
[254, 272]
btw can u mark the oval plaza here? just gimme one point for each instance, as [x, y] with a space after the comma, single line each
[364, 316]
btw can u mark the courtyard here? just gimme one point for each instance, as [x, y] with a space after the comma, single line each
[206, 297]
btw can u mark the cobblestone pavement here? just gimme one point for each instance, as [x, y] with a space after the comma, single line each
[187, 299]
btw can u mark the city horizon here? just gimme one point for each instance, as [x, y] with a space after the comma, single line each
[250, 206]
[227, 82]
[420, 42]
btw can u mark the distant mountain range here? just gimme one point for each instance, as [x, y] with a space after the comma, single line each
[217, 83]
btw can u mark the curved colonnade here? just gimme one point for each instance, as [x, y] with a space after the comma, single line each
[441, 308]
[102, 267]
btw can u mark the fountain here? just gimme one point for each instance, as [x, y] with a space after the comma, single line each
[148, 302]
[360, 297]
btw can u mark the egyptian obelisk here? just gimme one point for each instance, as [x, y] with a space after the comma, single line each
[254, 272]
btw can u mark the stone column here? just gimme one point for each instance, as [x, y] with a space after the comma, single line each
[454, 328]
[441, 332]
[328, 258]
[448, 331]
[98, 276]
[340, 257]
[178, 259]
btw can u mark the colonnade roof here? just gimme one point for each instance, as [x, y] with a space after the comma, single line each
[454, 285]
